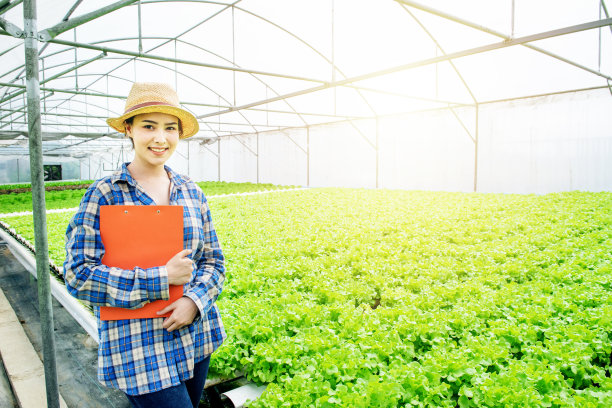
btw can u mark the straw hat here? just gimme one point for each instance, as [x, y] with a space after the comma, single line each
[147, 97]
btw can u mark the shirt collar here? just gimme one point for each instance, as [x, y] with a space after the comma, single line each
[123, 174]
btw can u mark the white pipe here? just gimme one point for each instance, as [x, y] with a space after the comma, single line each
[59, 292]
[239, 396]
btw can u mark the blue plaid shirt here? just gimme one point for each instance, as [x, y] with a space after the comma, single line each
[139, 356]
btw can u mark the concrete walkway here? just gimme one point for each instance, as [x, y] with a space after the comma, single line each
[76, 351]
[7, 399]
[23, 367]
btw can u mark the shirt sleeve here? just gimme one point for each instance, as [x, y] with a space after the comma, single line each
[207, 285]
[96, 284]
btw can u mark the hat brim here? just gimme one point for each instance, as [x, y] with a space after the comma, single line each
[188, 122]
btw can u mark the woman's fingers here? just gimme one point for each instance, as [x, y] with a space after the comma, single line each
[184, 310]
[166, 309]
[183, 253]
[179, 268]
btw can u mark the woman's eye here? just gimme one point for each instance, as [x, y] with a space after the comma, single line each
[148, 126]
[171, 128]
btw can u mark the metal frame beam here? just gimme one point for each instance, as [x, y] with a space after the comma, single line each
[467, 131]
[517, 98]
[8, 5]
[295, 112]
[602, 4]
[424, 110]
[208, 18]
[439, 47]
[428, 61]
[408, 96]
[52, 32]
[11, 28]
[110, 50]
[73, 68]
[42, 49]
[277, 26]
[348, 82]
[507, 38]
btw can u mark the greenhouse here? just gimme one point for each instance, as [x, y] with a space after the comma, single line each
[414, 199]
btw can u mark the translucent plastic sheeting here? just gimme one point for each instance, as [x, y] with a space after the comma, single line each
[547, 144]
[319, 40]
[326, 92]
[537, 145]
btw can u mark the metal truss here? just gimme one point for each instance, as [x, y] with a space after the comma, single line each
[59, 115]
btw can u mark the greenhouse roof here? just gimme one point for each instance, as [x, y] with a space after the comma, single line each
[251, 66]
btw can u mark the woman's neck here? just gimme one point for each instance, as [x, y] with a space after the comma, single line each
[155, 181]
[142, 172]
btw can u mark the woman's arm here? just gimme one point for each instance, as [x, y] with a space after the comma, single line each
[207, 284]
[96, 284]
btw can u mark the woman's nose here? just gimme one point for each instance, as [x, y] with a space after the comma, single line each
[159, 136]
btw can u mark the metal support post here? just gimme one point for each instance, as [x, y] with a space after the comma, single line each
[333, 56]
[139, 27]
[307, 156]
[477, 107]
[219, 159]
[234, 55]
[377, 153]
[257, 155]
[38, 202]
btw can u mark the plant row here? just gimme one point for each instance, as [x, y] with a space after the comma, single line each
[8, 188]
[70, 197]
[361, 298]
[387, 298]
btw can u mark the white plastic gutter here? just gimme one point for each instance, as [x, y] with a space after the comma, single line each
[59, 292]
[249, 392]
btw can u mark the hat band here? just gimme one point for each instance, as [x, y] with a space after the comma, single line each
[142, 105]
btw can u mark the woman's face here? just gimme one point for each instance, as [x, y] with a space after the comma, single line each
[155, 137]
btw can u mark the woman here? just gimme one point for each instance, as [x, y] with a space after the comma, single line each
[157, 362]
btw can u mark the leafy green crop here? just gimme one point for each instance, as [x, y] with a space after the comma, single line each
[47, 183]
[19, 202]
[211, 188]
[363, 298]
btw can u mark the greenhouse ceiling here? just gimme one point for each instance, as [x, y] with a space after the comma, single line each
[251, 66]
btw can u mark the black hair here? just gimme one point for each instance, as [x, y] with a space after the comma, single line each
[129, 121]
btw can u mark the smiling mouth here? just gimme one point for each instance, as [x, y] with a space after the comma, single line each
[158, 149]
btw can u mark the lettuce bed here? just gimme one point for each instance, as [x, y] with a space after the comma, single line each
[361, 298]
[18, 202]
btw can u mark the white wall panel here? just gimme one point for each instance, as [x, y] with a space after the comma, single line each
[427, 151]
[341, 156]
[203, 162]
[238, 162]
[547, 144]
[282, 157]
[537, 145]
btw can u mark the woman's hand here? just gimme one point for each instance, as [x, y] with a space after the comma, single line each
[184, 310]
[179, 268]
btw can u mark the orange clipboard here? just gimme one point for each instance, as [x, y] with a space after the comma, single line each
[143, 236]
